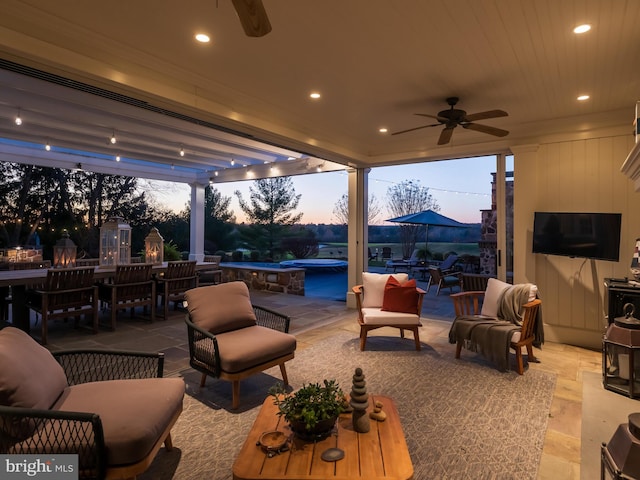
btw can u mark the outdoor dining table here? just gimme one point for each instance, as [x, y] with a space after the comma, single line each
[21, 280]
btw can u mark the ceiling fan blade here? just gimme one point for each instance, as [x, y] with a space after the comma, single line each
[440, 119]
[416, 128]
[253, 17]
[484, 115]
[445, 135]
[486, 129]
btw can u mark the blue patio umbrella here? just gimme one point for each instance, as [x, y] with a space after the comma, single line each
[428, 218]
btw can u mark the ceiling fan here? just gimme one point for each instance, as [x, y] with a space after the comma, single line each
[453, 117]
[253, 17]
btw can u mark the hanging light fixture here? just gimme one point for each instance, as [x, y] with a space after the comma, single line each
[118, 158]
[47, 147]
[113, 138]
[18, 119]
[181, 151]
[233, 162]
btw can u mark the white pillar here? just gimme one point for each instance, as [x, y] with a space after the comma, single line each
[196, 224]
[357, 229]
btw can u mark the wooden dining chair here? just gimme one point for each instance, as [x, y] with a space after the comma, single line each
[171, 286]
[66, 292]
[132, 286]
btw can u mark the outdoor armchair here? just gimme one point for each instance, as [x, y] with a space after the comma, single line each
[231, 339]
[111, 408]
[443, 280]
[393, 303]
[501, 318]
[171, 286]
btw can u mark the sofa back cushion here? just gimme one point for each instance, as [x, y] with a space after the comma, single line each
[221, 308]
[29, 377]
[373, 287]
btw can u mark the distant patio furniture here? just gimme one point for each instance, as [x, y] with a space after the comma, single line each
[379, 308]
[212, 275]
[171, 286]
[443, 280]
[132, 286]
[470, 263]
[386, 253]
[405, 264]
[66, 292]
[231, 339]
[372, 256]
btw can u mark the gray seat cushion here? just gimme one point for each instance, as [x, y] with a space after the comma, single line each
[251, 346]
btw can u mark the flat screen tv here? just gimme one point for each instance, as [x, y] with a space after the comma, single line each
[584, 235]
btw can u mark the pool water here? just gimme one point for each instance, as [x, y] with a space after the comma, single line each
[325, 283]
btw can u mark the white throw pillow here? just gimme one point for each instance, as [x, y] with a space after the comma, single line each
[373, 287]
[491, 296]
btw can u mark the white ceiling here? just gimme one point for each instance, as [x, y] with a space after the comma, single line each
[376, 63]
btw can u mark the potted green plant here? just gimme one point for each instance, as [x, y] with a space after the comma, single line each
[312, 410]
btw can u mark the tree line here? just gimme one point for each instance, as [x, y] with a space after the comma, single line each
[38, 203]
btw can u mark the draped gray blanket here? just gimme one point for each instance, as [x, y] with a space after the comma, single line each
[487, 336]
[491, 336]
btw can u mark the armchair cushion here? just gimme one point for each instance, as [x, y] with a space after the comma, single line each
[400, 297]
[376, 316]
[373, 285]
[30, 377]
[134, 412]
[231, 310]
[247, 347]
[492, 294]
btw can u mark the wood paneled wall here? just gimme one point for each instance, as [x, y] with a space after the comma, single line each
[583, 176]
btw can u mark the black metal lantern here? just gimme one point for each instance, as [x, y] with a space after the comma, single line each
[620, 458]
[64, 252]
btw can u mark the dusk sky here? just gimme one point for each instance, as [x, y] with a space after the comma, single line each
[461, 187]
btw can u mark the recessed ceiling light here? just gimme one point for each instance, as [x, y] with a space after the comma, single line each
[202, 38]
[383, 130]
[314, 95]
[582, 28]
[582, 98]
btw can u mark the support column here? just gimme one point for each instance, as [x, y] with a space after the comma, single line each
[196, 223]
[357, 229]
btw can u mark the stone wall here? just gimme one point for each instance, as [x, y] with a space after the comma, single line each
[280, 280]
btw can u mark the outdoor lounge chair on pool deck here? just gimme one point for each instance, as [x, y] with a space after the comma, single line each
[407, 264]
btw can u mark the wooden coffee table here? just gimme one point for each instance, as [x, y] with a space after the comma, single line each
[379, 454]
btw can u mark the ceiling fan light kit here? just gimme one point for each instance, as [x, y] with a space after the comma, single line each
[453, 117]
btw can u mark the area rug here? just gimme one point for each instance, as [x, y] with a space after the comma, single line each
[602, 412]
[461, 418]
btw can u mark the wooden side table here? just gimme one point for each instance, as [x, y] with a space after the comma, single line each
[379, 454]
